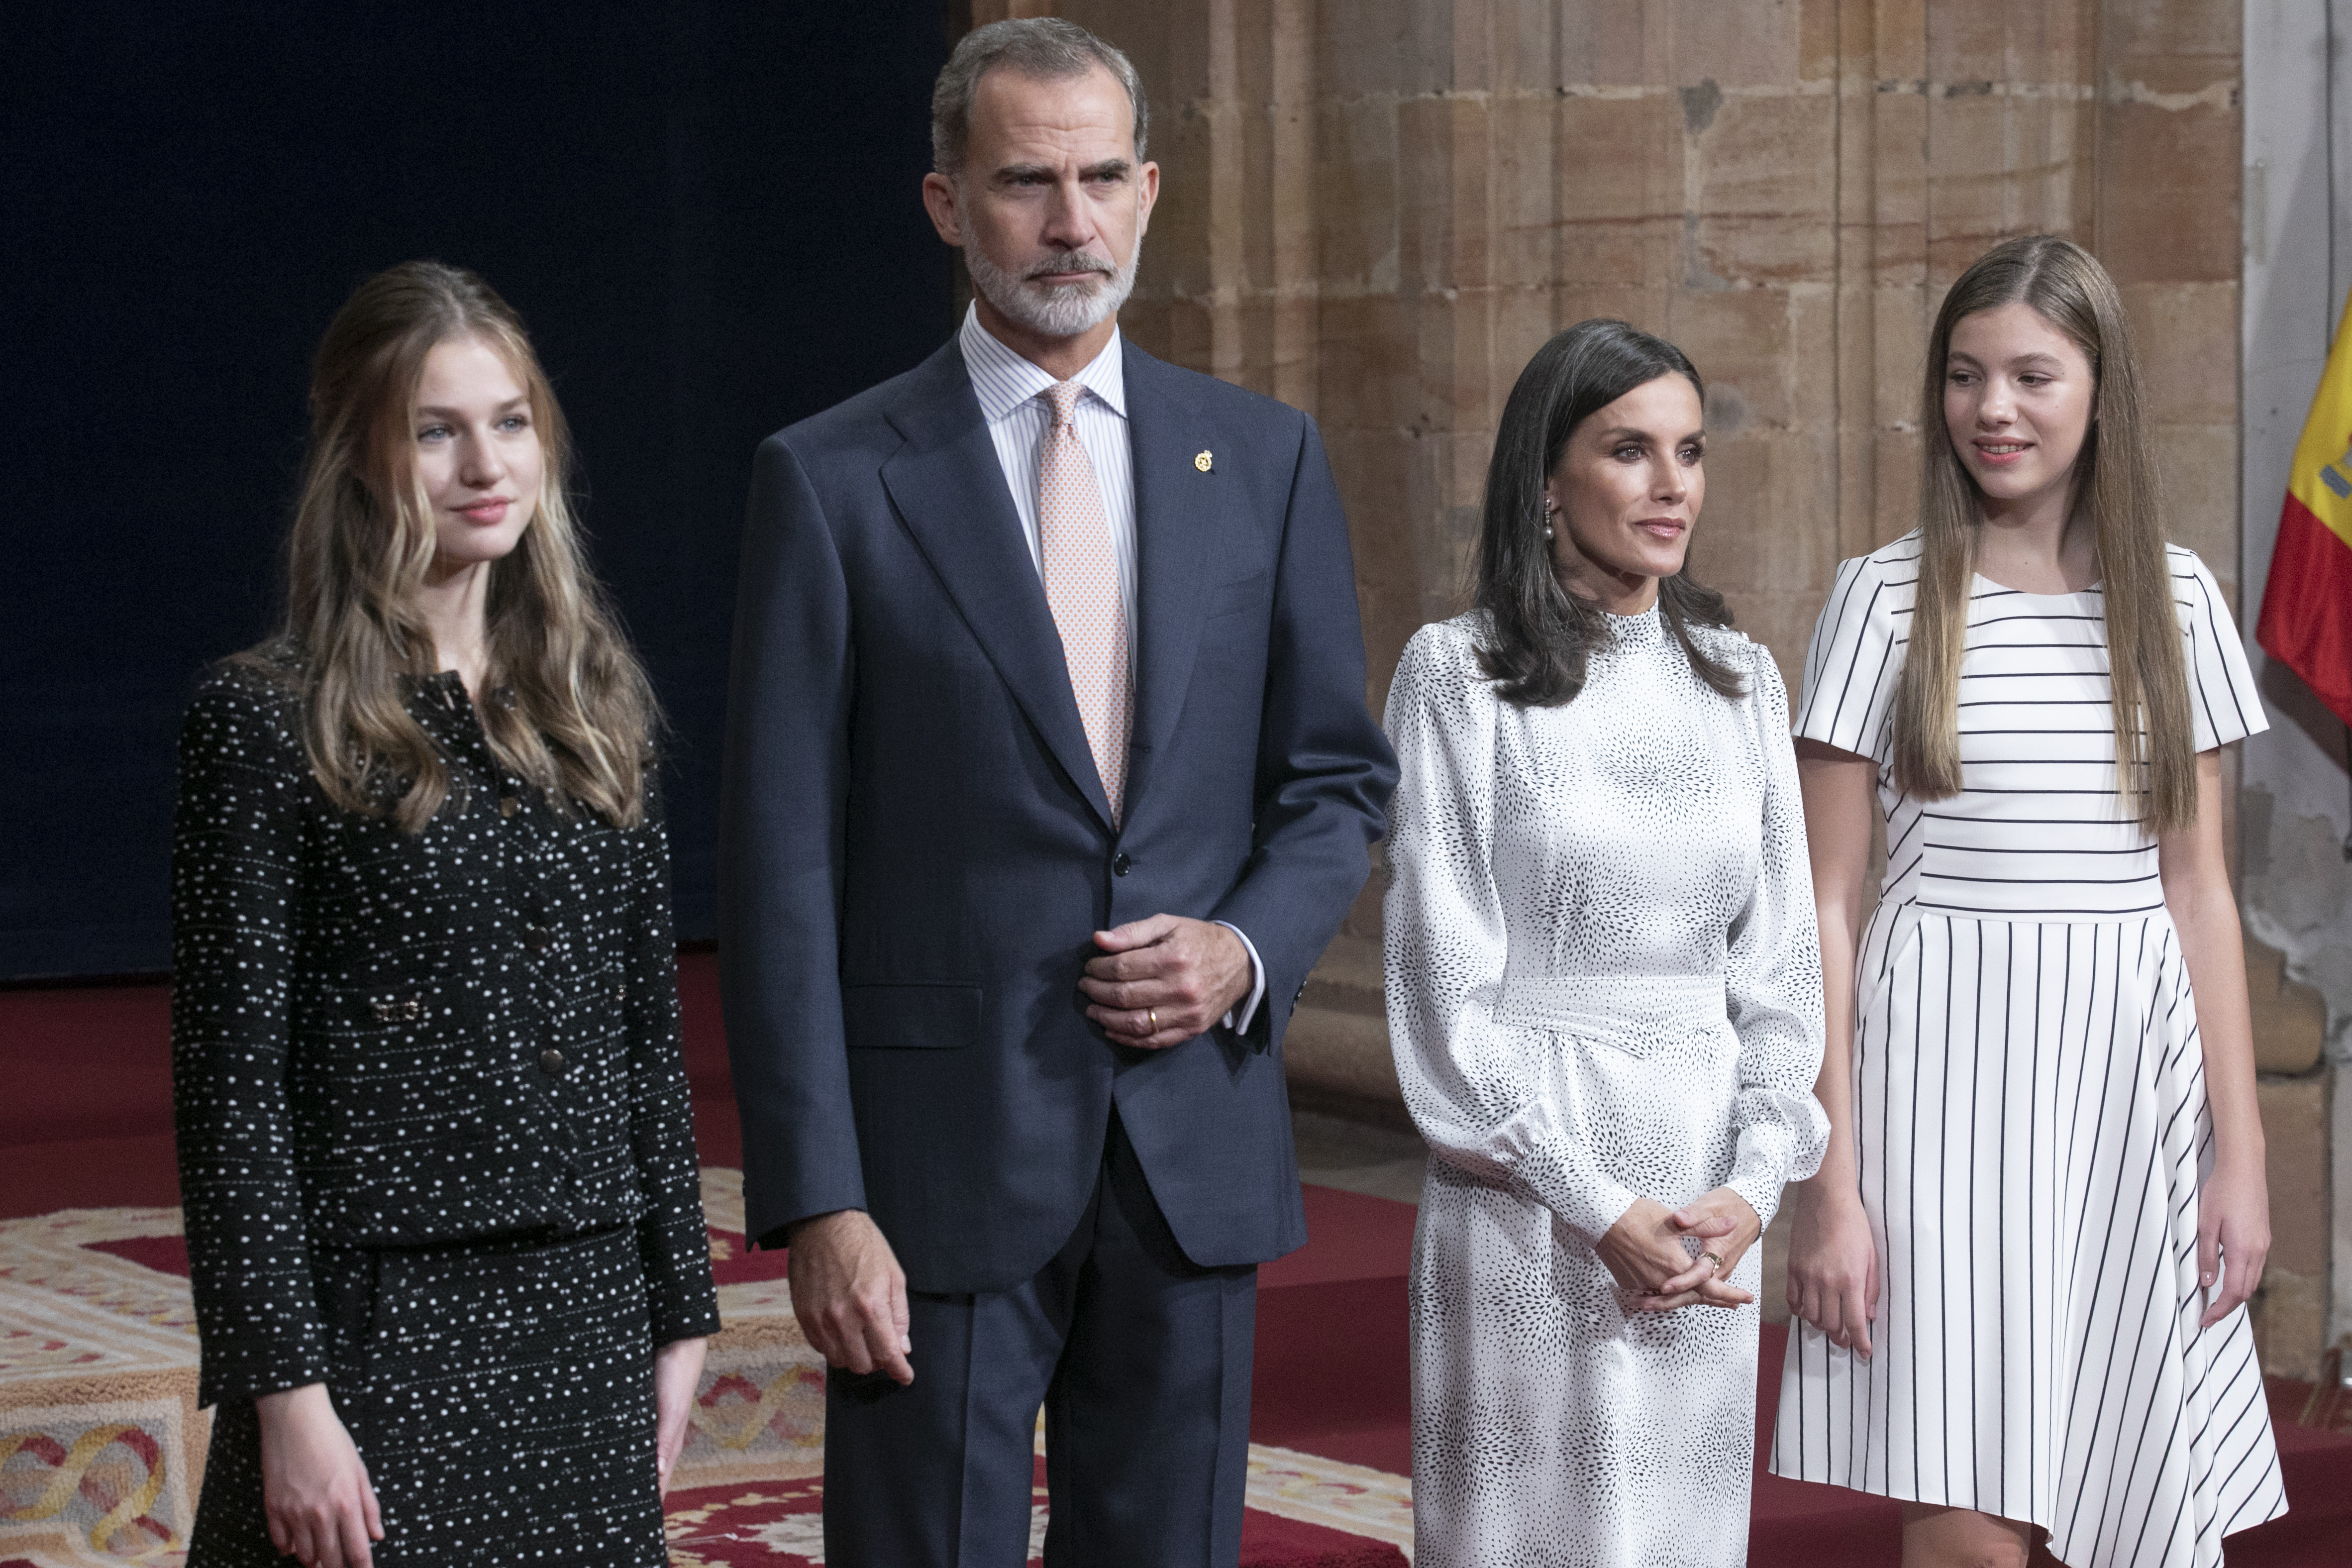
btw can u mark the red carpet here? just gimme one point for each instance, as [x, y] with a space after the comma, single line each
[85, 1122]
[86, 1099]
[1333, 1376]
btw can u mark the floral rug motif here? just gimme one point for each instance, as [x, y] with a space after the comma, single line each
[101, 1445]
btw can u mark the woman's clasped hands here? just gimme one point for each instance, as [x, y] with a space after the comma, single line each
[1648, 1250]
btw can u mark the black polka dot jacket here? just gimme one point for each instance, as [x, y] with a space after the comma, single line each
[387, 1040]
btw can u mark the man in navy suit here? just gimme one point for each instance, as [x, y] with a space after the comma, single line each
[1049, 777]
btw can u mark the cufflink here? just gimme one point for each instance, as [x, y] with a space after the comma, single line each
[1202, 461]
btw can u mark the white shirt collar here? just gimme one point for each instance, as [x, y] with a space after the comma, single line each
[1004, 380]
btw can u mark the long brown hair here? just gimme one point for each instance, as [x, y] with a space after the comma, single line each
[1539, 632]
[582, 713]
[2114, 491]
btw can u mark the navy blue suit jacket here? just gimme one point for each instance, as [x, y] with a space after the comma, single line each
[915, 846]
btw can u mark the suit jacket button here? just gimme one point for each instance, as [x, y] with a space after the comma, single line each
[1120, 864]
[550, 1061]
[538, 938]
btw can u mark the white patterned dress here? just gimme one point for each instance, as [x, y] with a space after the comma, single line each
[1603, 982]
[2029, 1107]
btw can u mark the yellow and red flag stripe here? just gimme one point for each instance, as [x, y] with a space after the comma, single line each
[2306, 621]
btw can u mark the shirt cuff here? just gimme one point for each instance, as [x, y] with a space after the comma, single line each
[1238, 1020]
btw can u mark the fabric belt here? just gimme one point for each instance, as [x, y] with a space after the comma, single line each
[1626, 1009]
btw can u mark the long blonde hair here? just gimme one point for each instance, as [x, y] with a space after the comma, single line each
[581, 714]
[2115, 489]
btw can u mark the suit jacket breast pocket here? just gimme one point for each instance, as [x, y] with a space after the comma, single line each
[910, 1018]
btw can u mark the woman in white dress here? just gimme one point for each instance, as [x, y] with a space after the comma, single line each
[2026, 1313]
[1603, 992]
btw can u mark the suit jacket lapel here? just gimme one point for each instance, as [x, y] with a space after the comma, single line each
[949, 489]
[1175, 514]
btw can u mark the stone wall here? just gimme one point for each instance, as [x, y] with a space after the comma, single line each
[1377, 210]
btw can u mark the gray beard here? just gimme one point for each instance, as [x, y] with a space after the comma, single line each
[1061, 310]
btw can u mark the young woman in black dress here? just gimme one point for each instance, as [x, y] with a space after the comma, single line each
[444, 1222]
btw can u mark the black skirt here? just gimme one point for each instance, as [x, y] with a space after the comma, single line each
[500, 1393]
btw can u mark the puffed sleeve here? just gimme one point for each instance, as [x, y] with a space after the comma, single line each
[236, 867]
[671, 1240]
[1485, 1097]
[1772, 978]
[1856, 657]
[2223, 705]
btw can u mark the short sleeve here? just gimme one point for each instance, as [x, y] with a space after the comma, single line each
[2223, 705]
[1856, 657]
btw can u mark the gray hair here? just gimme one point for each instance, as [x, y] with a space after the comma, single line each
[1045, 48]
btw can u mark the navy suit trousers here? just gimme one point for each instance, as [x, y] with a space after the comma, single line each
[1141, 1361]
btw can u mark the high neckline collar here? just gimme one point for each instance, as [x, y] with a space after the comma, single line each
[1634, 631]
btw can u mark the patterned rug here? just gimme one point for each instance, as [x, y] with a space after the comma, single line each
[101, 1445]
[1304, 1512]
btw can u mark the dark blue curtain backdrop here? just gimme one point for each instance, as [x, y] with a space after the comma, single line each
[708, 214]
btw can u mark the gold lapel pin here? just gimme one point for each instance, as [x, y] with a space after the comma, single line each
[1202, 462]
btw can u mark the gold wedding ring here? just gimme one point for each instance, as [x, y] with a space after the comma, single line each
[1154, 1017]
[1711, 1258]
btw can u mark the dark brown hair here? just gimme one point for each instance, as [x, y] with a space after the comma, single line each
[1539, 633]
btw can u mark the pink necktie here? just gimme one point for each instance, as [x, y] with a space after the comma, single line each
[1082, 590]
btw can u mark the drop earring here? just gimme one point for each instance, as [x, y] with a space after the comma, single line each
[1547, 509]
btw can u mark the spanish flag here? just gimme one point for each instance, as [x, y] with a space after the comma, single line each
[2306, 621]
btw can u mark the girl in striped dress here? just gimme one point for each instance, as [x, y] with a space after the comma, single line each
[2022, 1270]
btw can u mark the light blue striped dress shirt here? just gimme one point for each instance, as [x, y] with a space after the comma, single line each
[1011, 392]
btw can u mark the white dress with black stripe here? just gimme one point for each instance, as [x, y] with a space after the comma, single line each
[2029, 1096]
